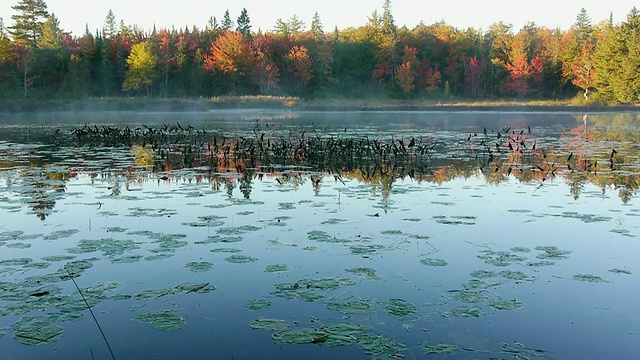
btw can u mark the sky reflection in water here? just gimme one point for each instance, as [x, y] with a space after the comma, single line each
[570, 261]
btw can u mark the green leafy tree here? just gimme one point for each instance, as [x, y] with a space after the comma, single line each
[29, 19]
[244, 24]
[142, 63]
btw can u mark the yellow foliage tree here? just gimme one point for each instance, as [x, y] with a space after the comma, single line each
[142, 63]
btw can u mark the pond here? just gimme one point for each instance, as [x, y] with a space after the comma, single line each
[342, 235]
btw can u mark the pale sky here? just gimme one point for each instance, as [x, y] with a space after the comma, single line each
[74, 14]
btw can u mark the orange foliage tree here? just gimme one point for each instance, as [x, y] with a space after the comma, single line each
[299, 64]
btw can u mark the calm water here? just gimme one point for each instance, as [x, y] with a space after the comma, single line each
[476, 245]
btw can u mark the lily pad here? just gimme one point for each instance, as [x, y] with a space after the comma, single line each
[61, 234]
[301, 336]
[434, 262]
[198, 266]
[35, 330]
[255, 305]
[466, 311]
[352, 307]
[511, 304]
[226, 250]
[19, 245]
[240, 259]
[399, 308]
[276, 268]
[439, 349]
[163, 320]
[589, 278]
[620, 271]
[552, 253]
[56, 258]
[368, 273]
[267, 324]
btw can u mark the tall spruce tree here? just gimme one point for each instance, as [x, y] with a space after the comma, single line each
[226, 21]
[51, 34]
[244, 24]
[316, 26]
[31, 14]
[109, 30]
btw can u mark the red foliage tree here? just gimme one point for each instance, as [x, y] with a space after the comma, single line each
[474, 75]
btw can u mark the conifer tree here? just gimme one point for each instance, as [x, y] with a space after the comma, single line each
[226, 21]
[30, 16]
[244, 24]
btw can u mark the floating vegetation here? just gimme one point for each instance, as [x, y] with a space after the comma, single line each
[332, 221]
[276, 268]
[219, 239]
[365, 249]
[163, 320]
[511, 304]
[468, 296]
[321, 236]
[355, 307]
[255, 305]
[115, 229]
[183, 288]
[225, 250]
[368, 273]
[391, 232]
[157, 257]
[513, 275]
[483, 274]
[457, 220]
[500, 258]
[286, 206]
[61, 234]
[306, 289]
[127, 259]
[519, 249]
[589, 278]
[587, 218]
[552, 253]
[439, 349]
[109, 247]
[16, 261]
[240, 259]
[198, 266]
[521, 351]
[267, 324]
[620, 271]
[19, 245]
[34, 330]
[399, 308]
[57, 258]
[239, 230]
[541, 263]
[433, 262]
[466, 311]
[301, 336]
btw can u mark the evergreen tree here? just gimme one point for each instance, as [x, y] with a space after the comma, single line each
[2, 34]
[51, 34]
[109, 29]
[226, 21]
[244, 24]
[388, 24]
[583, 26]
[28, 21]
[316, 26]
[296, 25]
[281, 27]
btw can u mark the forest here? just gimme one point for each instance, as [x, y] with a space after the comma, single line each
[589, 63]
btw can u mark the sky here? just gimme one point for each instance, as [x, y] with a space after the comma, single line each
[75, 14]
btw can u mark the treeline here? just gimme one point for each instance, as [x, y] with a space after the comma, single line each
[38, 60]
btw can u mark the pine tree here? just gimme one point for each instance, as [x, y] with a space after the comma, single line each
[51, 34]
[28, 21]
[316, 26]
[109, 29]
[244, 24]
[583, 26]
[296, 25]
[226, 21]
[2, 34]
[388, 24]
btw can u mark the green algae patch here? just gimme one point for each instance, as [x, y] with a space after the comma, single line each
[366, 272]
[255, 305]
[240, 259]
[466, 311]
[198, 266]
[399, 308]
[34, 330]
[439, 349]
[163, 320]
[356, 307]
[589, 278]
[276, 268]
[511, 304]
[433, 262]
[620, 271]
[267, 324]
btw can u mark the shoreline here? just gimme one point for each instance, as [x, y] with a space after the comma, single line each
[273, 103]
